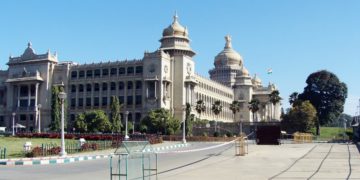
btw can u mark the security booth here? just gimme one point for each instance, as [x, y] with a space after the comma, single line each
[133, 160]
[268, 133]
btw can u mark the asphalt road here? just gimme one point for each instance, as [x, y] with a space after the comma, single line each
[287, 161]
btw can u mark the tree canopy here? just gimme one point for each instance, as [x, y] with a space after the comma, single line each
[200, 107]
[160, 121]
[327, 94]
[301, 117]
[92, 122]
[254, 107]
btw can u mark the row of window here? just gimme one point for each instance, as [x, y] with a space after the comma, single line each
[208, 100]
[213, 89]
[106, 86]
[105, 101]
[106, 72]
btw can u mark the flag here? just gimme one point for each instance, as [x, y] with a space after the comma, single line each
[269, 71]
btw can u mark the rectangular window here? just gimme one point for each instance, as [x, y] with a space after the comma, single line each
[96, 101]
[96, 87]
[113, 86]
[23, 103]
[73, 102]
[138, 99]
[88, 87]
[81, 74]
[89, 74]
[24, 91]
[113, 72]
[73, 74]
[81, 102]
[105, 72]
[130, 70]
[32, 90]
[139, 70]
[97, 73]
[121, 85]
[121, 99]
[104, 101]
[81, 88]
[73, 88]
[121, 71]
[88, 102]
[138, 84]
[22, 117]
[104, 86]
[32, 102]
[31, 117]
[129, 100]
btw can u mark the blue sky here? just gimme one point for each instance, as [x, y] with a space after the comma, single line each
[294, 38]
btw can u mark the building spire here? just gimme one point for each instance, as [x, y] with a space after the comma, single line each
[175, 17]
[228, 42]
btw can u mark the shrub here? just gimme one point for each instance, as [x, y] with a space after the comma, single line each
[228, 134]
[35, 152]
[216, 134]
[54, 150]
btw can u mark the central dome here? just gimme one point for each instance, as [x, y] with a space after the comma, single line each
[175, 29]
[228, 57]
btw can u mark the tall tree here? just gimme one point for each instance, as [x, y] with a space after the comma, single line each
[55, 109]
[254, 107]
[274, 99]
[115, 114]
[200, 107]
[327, 93]
[216, 109]
[234, 107]
[188, 119]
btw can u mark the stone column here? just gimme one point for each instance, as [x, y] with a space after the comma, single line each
[29, 94]
[18, 95]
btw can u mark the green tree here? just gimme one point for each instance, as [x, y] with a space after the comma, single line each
[216, 109]
[115, 114]
[274, 99]
[160, 121]
[200, 107]
[301, 117]
[93, 122]
[234, 107]
[55, 109]
[327, 94]
[254, 107]
[294, 99]
[189, 119]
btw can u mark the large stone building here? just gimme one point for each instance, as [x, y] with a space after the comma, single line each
[164, 78]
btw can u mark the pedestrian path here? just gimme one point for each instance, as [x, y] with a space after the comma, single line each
[83, 156]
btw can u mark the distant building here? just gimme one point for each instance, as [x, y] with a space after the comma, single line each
[164, 78]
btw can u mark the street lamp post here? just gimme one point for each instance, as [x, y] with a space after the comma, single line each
[184, 138]
[62, 97]
[126, 125]
[13, 123]
[241, 127]
[39, 120]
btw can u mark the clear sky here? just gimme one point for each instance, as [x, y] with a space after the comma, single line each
[294, 38]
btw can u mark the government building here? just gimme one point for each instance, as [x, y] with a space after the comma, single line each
[165, 78]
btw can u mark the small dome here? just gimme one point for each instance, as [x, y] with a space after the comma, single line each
[228, 56]
[244, 71]
[175, 29]
[256, 80]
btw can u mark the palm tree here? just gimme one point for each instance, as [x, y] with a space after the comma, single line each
[200, 107]
[254, 107]
[216, 109]
[234, 107]
[274, 99]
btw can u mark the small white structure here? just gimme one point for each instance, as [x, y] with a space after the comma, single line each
[82, 141]
[2, 129]
[27, 146]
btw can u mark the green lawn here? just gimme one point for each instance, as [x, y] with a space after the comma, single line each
[14, 145]
[331, 133]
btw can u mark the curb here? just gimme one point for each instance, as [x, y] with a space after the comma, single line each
[71, 159]
[50, 160]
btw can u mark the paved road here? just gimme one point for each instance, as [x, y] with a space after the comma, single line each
[287, 161]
